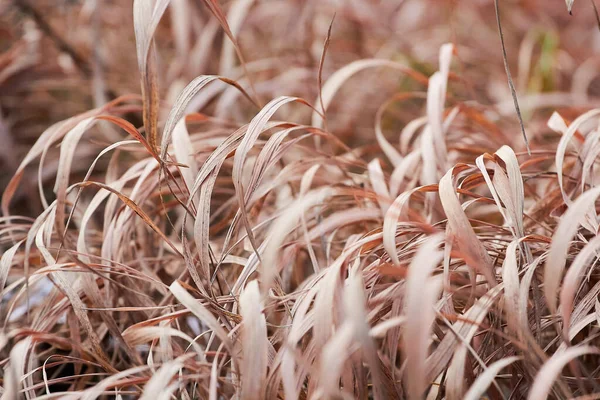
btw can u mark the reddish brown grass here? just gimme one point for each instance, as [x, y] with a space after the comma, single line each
[254, 199]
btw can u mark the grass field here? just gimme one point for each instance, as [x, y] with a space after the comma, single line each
[299, 199]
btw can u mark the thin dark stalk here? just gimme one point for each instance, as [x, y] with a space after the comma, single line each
[511, 85]
[320, 74]
[80, 62]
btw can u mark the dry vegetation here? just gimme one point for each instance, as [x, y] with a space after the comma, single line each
[295, 205]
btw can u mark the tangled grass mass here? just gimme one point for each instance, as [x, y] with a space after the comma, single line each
[303, 199]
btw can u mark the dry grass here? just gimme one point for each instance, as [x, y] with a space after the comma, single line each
[298, 206]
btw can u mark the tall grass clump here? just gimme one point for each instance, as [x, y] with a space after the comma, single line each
[314, 199]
